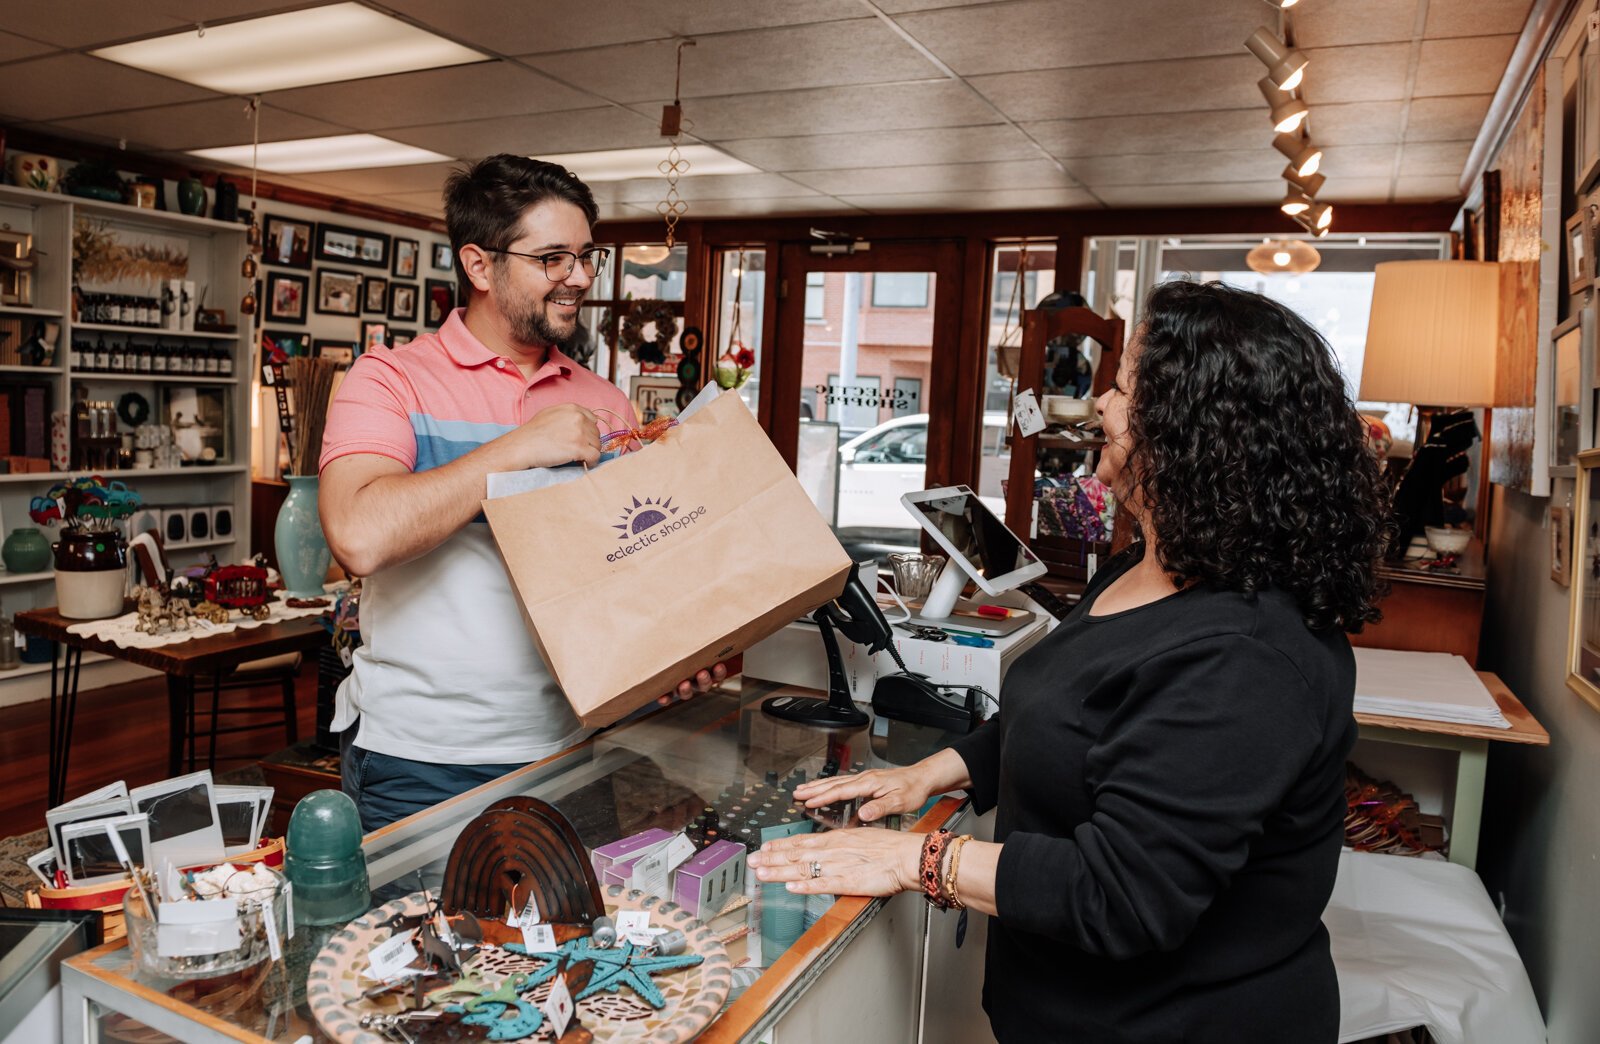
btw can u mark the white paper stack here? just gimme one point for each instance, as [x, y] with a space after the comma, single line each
[1431, 686]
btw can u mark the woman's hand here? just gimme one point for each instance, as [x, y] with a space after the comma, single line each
[889, 790]
[701, 682]
[842, 862]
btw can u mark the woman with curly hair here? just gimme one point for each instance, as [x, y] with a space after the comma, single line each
[1168, 764]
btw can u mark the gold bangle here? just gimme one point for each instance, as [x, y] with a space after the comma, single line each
[952, 869]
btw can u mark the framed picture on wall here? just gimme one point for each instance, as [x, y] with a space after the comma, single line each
[338, 293]
[442, 260]
[1580, 262]
[287, 242]
[375, 294]
[654, 397]
[286, 297]
[403, 301]
[342, 352]
[353, 246]
[1583, 640]
[1561, 545]
[199, 420]
[440, 298]
[405, 258]
[374, 334]
[397, 336]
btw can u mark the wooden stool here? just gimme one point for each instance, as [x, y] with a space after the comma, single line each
[273, 670]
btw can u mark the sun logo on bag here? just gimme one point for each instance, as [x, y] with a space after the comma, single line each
[643, 515]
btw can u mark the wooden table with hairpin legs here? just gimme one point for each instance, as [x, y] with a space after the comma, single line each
[182, 663]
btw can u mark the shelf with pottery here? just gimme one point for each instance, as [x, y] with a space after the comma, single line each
[122, 211]
[152, 331]
[42, 313]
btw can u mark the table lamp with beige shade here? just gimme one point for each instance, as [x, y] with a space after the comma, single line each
[1433, 339]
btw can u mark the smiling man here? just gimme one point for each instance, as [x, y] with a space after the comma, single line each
[447, 689]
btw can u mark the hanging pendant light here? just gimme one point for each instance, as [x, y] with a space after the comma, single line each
[1283, 257]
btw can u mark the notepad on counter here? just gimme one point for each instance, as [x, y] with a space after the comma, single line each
[1429, 686]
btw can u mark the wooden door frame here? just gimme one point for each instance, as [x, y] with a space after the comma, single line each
[950, 447]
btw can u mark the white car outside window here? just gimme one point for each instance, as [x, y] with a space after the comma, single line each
[881, 464]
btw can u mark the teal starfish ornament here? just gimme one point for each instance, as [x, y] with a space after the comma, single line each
[614, 967]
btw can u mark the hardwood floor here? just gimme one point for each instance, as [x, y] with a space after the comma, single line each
[121, 733]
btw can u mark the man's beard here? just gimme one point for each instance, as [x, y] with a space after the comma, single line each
[529, 320]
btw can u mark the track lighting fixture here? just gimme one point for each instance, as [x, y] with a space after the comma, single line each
[1282, 5]
[1288, 112]
[1296, 202]
[1304, 157]
[1285, 65]
[1320, 217]
[1310, 185]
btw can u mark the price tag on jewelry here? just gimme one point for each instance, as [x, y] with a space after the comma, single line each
[288, 906]
[539, 938]
[634, 926]
[558, 1006]
[1025, 408]
[441, 927]
[528, 915]
[389, 959]
[270, 920]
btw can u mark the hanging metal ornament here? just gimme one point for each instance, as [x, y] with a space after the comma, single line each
[672, 206]
[248, 267]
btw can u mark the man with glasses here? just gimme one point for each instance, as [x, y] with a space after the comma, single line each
[447, 691]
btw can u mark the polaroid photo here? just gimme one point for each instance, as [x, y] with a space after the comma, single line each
[241, 811]
[89, 856]
[43, 864]
[66, 815]
[109, 792]
[184, 827]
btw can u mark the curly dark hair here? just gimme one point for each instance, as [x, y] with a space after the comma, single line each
[1250, 455]
[484, 203]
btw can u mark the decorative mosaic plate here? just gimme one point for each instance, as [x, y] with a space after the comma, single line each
[693, 996]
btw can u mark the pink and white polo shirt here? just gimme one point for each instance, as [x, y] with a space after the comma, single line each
[446, 671]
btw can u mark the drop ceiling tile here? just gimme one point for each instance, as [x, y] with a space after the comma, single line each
[1426, 190]
[1356, 123]
[709, 186]
[581, 131]
[385, 181]
[1172, 168]
[86, 23]
[1351, 22]
[1374, 72]
[1003, 199]
[729, 208]
[1050, 34]
[959, 177]
[1455, 118]
[1434, 159]
[1468, 65]
[1356, 190]
[895, 7]
[895, 106]
[1221, 129]
[884, 148]
[1357, 161]
[481, 90]
[517, 27]
[861, 50]
[13, 47]
[1189, 85]
[1476, 17]
[196, 125]
[65, 85]
[1216, 194]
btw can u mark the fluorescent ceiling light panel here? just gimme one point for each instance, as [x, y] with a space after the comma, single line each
[296, 49]
[339, 152]
[621, 164]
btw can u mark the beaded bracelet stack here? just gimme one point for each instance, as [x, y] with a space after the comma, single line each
[938, 872]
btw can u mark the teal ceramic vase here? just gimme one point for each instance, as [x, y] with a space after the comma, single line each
[303, 555]
[192, 196]
[26, 551]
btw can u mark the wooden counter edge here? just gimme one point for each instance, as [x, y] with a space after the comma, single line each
[1524, 729]
[734, 1023]
[84, 962]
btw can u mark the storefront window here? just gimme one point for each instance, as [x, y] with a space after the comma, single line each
[1021, 275]
[744, 284]
[816, 287]
[900, 290]
[654, 272]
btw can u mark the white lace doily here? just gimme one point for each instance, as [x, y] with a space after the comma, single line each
[119, 630]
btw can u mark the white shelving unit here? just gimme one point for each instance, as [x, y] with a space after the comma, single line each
[215, 251]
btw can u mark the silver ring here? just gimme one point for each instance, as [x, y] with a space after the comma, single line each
[816, 868]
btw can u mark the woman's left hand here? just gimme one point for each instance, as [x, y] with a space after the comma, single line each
[703, 681]
[852, 862]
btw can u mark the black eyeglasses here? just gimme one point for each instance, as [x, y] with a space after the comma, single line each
[558, 264]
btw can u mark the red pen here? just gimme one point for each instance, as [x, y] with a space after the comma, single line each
[999, 612]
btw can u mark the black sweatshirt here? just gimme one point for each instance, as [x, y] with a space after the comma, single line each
[1170, 786]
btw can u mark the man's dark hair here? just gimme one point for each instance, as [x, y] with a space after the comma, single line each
[1251, 457]
[484, 203]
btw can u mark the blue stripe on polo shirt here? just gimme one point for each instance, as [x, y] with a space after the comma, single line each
[441, 441]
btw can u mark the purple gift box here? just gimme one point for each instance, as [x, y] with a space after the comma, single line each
[706, 883]
[627, 849]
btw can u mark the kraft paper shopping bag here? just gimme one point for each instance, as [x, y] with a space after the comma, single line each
[666, 560]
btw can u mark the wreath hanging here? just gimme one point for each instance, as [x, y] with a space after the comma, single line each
[640, 315]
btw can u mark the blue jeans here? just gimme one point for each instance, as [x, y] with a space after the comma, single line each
[386, 788]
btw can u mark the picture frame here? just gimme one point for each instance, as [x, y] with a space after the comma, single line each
[398, 337]
[1586, 122]
[341, 352]
[88, 857]
[83, 811]
[1561, 545]
[406, 252]
[286, 242]
[1583, 637]
[374, 334]
[352, 246]
[201, 422]
[338, 292]
[403, 301]
[285, 297]
[1580, 254]
[374, 295]
[443, 259]
[439, 299]
[654, 396]
[1563, 402]
[242, 812]
[184, 827]
[16, 285]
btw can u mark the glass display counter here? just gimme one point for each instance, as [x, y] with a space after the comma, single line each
[858, 967]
